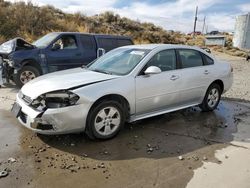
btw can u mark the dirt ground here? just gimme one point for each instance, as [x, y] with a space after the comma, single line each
[187, 148]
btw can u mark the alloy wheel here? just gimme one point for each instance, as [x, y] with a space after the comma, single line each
[107, 121]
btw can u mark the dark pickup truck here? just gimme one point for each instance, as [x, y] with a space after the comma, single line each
[21, 61]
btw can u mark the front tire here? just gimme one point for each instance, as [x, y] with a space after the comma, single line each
[105, 120]
[26, 74]
[212, 98]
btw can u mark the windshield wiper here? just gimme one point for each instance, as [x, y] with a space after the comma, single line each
[101, 71]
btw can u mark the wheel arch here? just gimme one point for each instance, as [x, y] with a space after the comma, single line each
[116, 97]
[33, 63]
[220, 83]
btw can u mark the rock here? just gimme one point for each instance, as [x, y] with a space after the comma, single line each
[38, 161]
[84, 155]
[226, 157]
[166, 134]
[42, 150]
[204, 158]
[196, 158]
[148, 145]
[3, 174]
[30, 146]
[149, 150]
[72, 144]
[12, 160]
[180, 158]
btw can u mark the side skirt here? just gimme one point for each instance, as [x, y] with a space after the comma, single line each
[159, 112]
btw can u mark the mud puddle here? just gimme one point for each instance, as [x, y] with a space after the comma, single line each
[158, 152]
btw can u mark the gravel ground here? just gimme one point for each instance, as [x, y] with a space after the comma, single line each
[241, 86]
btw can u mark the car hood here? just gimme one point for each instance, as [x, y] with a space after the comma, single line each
[63, 80]
[14, 45]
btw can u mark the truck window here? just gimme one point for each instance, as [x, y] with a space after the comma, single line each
[67, 42]
[107, 43]
[123, 42]
[88, 42]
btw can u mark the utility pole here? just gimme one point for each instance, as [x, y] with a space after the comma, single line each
[204, 24]
[195, 20]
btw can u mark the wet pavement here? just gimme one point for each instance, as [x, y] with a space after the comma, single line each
[164, 151]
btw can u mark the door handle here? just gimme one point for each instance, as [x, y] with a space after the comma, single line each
[174, 77]
[206, 72]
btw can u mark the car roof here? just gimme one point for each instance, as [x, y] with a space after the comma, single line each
[155, 46]
[94, 34]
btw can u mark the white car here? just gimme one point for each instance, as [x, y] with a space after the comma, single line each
[127, 84]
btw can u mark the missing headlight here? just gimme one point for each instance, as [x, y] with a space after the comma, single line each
[57, 99]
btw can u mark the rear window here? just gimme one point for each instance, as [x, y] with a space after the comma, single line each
[190, 58]
[111, 43]
[123, 42]
[107, 44]
[88, 42]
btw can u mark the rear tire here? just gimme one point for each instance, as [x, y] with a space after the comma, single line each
[105, 120]
[212, 98]
[26, 74]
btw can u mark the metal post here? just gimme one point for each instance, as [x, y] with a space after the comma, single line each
[204, 23]
[195, 20]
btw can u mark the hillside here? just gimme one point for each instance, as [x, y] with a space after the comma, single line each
[31, 22]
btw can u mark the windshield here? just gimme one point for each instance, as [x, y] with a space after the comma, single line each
[45, 40]
[120, 61]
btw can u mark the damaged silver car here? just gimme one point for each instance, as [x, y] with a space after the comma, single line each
[126, 84]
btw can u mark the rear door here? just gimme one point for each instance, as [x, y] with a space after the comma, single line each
[88, 48]
[158, 91]
[195, 76]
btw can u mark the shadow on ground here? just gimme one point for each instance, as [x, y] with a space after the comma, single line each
[163, 136]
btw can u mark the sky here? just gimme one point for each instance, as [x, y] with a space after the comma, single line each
[175, 15]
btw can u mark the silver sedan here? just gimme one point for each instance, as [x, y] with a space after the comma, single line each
[127, 84]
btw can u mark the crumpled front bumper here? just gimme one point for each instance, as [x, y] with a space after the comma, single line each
[2, 77]
[53, 121]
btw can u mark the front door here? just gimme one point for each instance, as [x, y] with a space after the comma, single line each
[65, 53]
[158, 91]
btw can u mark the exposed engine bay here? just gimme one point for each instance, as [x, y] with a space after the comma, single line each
[6, 49]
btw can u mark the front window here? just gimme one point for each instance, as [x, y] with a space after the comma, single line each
[66, 42]
[165, 60]
[120, 61]
[45, 40]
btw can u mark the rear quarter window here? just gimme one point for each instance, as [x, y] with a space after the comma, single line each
[208, 60]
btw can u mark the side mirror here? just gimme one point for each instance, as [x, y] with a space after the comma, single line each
[152, 70]
[56, 47]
